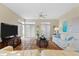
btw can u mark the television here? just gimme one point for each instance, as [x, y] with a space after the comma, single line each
[8, 30]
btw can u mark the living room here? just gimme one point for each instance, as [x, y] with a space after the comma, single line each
[39, 27]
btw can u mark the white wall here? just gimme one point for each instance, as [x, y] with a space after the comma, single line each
[73, 21]
[8, 16]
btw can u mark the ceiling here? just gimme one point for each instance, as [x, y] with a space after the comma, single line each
[32, 10]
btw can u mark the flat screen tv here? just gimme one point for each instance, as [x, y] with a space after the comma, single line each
[8, 30]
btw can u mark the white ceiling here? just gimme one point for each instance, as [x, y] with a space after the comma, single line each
[32, 10]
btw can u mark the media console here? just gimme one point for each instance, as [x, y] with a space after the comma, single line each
[15, 41]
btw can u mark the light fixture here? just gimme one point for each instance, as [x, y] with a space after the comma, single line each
[56, 29]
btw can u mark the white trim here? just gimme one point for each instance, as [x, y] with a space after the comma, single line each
[45, 23]
[29, 23]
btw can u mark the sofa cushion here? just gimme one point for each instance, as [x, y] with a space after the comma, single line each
[58, 53]
[33, 52]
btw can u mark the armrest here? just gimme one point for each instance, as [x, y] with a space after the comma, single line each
[8, 48]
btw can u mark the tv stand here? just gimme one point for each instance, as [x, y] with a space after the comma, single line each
[15, 41]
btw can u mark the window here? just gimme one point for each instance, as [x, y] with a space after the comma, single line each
[45, 27]
[29, 30]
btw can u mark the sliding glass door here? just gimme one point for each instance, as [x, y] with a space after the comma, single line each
[45, 27]
[29, 31]
[29, 34]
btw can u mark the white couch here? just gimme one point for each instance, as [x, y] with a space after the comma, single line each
[8, 51]
[72, 44]
[58, 53]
